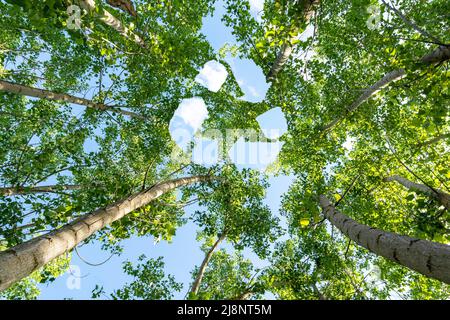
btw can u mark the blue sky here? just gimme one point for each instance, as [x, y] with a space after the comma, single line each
[184, 252]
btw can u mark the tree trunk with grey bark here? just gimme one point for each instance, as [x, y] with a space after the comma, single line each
[113, 22]
[19, 89]
[428, 258]
[286, 49]
[124, 5]
[15, 191]
[21, 260]
[442, 197]
[369, 92]
[439, 55]
[201, 272]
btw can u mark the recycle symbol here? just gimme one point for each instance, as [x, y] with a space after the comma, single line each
[188, 119]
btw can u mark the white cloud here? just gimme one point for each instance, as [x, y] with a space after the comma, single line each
[193, 111]
[212, 76]
[187, 120]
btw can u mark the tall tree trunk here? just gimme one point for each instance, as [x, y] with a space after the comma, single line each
[369, 92]
[115, 23]
[286, 49]
[15, 191]
[439, 55]
[124, 5]
[282, 58]
[201, 272]
[437, 194]
[21, 260]
[49, 95]
[428, 258]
